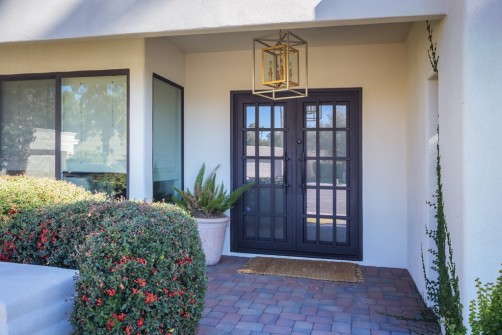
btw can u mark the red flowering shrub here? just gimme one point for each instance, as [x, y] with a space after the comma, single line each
[51, 236]
[142, 272]
[19, 194]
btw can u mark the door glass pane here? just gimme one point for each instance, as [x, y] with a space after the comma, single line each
[167, 164]
[326, 116]
[341, 173]
[250, 117]
[250, 169]
[341, 202]
[311, 201]
[310, 116]
[279, 116]
[264, 228]
[278, 172]
[265, 171]
[266, 201]
[264, 143]
[250, 143]
[326, 172]
[94, 133]
[311, 144]
[249, 227]
[326, 230]
[279, 143]
[279, 229]
[311, 172]
[265, 116]
[325, 202]
[250, 200]
[27, 128]
[341, 116]
[341, 144]
[341, 231]
[279, 206]
[326, 143]
[310, 230]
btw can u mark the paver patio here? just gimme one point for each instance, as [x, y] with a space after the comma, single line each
[387, 303]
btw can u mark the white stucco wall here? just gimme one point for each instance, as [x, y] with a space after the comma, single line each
[420, 125]
[378, 69]
[482, 143]
[94, 55]
[470, 83]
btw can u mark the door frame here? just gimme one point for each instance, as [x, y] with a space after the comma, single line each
[358, 256]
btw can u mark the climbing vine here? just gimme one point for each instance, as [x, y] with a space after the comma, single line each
[443, 292]
[432, 52]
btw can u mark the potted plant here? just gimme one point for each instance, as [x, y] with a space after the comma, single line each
[208, 204]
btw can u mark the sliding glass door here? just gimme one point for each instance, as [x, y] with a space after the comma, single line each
[167, 138]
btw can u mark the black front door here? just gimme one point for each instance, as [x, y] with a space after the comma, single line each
[303, 156]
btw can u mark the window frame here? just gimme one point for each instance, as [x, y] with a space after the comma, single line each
[58, 77]
[182, 125]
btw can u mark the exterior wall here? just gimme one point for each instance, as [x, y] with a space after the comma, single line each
[481, 158]
[421, 159]
[93, 55]
[470, 75]
[378, 69]
[166, 60]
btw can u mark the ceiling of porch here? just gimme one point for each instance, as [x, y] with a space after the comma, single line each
[318, 36]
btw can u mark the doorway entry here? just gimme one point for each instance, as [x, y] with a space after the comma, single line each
[303, 156]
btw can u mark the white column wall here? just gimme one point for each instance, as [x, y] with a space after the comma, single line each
[421, 176]
[482, 159]
[93, 55]
[378, 69]
[470, 83]
[164, 59]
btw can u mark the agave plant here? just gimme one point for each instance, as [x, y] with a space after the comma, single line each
[208, 199]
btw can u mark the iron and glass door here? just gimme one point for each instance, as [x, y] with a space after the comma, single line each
[303, 157]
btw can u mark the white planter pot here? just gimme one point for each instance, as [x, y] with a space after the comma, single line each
[212, 234]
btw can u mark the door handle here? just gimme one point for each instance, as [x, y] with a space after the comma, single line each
[285, 183]
[302, 169]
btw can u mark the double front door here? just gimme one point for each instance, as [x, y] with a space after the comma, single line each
[303, 156]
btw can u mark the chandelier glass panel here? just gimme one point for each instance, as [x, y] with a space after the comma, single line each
[283, 69]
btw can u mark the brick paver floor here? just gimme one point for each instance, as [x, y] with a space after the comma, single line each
[387, 303]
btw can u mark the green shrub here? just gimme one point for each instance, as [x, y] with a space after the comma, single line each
[51, 235]
[485, 313]
[143, 273]
[22, 193]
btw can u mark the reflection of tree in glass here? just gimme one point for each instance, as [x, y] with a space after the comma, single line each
[265, 138]
[26, 105]
[95, 108]
[17, 136]
[250, 138]
[341, 116]
[341, 143]
[326, 116]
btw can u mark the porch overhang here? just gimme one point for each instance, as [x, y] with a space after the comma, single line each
[21, 20]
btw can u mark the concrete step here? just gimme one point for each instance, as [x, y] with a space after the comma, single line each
[35, 299]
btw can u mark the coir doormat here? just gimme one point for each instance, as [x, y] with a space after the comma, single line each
[320, 270]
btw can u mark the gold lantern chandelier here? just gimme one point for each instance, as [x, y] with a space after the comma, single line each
[284, 58]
